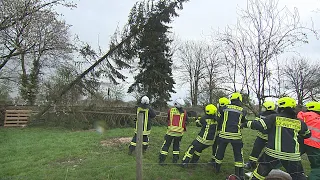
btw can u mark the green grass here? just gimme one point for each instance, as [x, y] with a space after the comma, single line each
[41, 153]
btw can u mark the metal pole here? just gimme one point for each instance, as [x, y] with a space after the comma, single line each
[139, 146]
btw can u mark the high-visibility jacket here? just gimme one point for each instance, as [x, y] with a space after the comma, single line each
[148, 114]
[176, 122]
[262, 116]
[219, 113]
[312, 119]
[283, 131]
[231, 118]
[208, 130]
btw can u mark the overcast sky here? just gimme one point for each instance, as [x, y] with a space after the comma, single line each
[94, 21]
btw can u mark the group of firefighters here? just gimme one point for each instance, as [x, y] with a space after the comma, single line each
[283, 135]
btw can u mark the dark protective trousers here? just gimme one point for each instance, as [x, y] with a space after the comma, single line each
[133, 143]
[166, 145]
[237, 146]
[267, 163]
[314, 159]
[258, 146]
[194, 151]
[214, 147]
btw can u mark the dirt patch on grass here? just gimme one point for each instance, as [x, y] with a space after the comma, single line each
[116, 141]
[86, 130]
[68, 161]
[71, 161]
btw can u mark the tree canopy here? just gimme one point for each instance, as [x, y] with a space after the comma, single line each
[151, 48]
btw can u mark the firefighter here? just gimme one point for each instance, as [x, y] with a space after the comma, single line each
[177, 119]
[268, 108]
[205, 137]
[149, 114]
[222, 102]
[231, 118]
[312, 144]
[282, 148]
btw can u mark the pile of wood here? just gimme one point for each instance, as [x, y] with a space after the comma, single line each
[16, 118]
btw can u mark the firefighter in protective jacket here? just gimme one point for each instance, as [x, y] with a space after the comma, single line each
[261, 140]
[282, 147]
[231, 118]
[177, 118]
[312, 144]
[222, 102]
[148, 115]
[206, 136]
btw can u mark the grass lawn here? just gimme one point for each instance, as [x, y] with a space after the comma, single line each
[42, 153]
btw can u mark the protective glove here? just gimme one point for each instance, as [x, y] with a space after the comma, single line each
[198, 124]
[244, 125]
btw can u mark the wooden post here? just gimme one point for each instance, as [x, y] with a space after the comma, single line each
[139, 146]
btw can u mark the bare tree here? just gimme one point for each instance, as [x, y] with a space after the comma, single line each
[193, 56]
[16, 11]
[33, 39]
[116, 92]
[235, 60]
[211, 89]
[42, 41]
[262, 33]
[302, 78]
[276, 86]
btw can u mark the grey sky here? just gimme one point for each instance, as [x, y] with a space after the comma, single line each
[98, 19]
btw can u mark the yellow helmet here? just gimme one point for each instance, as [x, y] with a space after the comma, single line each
[236, 95]
[313, 106]
[223, 101]
[269, 105]
[286, 102]
[211, 109]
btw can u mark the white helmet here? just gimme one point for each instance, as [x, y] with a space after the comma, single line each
[145, 100]
[179, 103]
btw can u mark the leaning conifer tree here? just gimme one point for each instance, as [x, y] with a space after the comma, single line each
[151, 48]
[124, 48]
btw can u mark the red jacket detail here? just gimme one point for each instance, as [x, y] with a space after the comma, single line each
[312, 120]
[176, 119]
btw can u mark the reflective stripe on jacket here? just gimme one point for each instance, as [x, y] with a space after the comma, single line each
[208, 130]
[146, 126]
[176, 122]
[262, 116]
[283, 131]
[231, 119]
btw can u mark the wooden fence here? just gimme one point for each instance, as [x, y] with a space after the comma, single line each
[75, 117]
